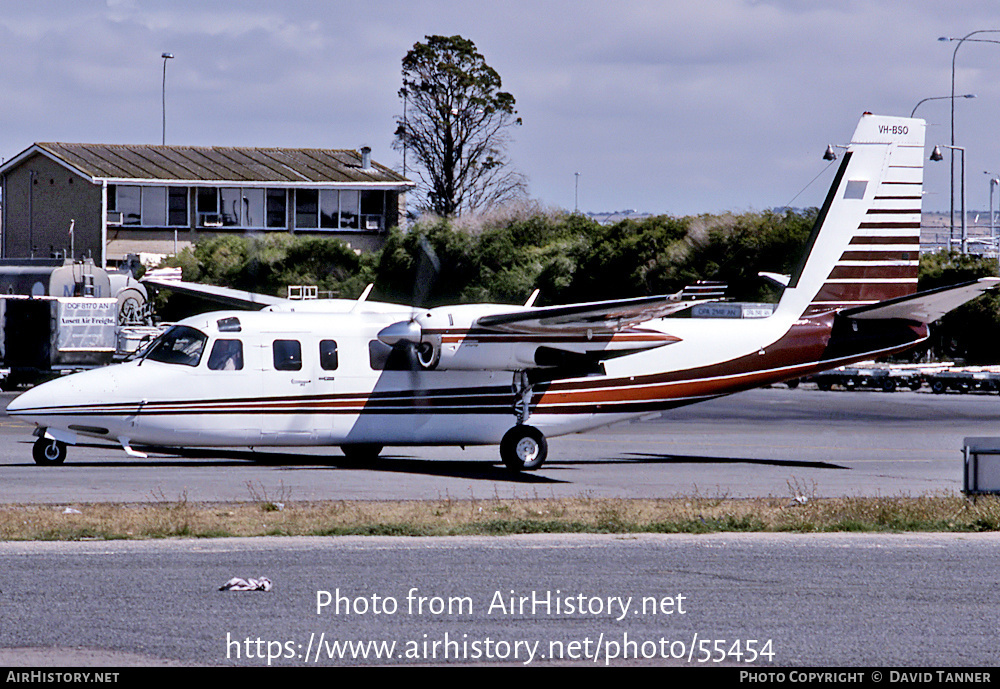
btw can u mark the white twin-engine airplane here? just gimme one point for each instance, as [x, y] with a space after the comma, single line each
[363, 375]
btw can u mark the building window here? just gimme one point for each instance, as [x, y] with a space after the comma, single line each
[253, 208]
[148, 206]
[306, 208]
[349, 200]
[339, 209]
[177, 206]
[130, 204]
[207, 206]
[232, 207]
[329, 218]
[154, 206]
[372, 210]
[277, 205]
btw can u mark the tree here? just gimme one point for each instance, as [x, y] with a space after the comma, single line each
[456, 125]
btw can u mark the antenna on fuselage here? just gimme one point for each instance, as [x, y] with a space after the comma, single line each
[364, 295]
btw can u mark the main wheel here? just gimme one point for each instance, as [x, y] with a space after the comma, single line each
[523, 448]
[48, 451]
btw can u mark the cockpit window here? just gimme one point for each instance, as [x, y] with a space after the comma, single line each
[227, 355]
[179, 345]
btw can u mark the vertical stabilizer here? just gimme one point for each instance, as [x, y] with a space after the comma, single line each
[865, 246]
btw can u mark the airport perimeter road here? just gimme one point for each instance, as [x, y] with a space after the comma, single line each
[758, 443]
[854, 600]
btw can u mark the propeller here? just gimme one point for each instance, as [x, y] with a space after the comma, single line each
[406, 337]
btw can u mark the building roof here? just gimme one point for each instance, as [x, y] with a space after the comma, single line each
[124, 163]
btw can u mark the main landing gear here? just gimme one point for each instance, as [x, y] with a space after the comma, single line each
[523, 447]
[48, 451]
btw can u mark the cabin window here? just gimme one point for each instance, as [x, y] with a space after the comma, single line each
[328, 355]
[227, 355]
[179, 345]
[287, 355]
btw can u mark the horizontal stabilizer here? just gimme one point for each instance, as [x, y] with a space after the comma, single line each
[924, 307]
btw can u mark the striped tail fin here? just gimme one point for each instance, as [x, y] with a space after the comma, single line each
[865, 246]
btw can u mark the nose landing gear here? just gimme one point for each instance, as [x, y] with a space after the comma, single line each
[48, 451]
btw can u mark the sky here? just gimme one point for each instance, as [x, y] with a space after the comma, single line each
[665, 106]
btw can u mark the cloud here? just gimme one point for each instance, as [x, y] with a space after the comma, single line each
[661, 106]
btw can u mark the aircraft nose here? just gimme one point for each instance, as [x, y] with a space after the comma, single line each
[86, 388]
[35, 399]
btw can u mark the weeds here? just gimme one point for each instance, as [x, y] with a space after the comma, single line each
[269, 503]
[264, 516]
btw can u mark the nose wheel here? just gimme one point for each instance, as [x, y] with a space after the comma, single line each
[48, 451]
[523, 448]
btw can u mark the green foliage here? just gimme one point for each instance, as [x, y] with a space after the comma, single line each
[428, 266]
[969, 333]
[569, 257]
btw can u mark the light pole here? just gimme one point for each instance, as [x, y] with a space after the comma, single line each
[994, 181]
[936, 155]
[966, 95]
[954, 54]
[576, 193]
[165, 56]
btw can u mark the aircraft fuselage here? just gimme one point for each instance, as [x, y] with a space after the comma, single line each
[312, 379]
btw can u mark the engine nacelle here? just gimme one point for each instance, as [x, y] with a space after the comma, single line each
[448, 339]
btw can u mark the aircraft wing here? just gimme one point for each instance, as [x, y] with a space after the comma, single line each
[927, 306]
[225, 296]
[599, 316]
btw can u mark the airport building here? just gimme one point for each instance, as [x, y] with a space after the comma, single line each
[107, 201]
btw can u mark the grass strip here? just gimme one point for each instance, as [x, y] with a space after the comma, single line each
[495, 517]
